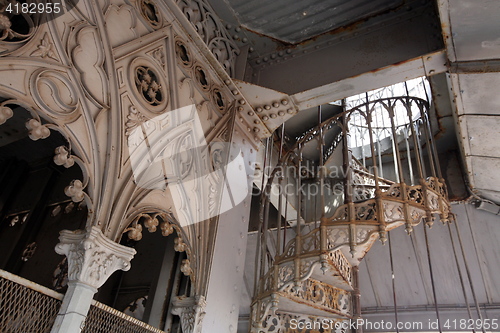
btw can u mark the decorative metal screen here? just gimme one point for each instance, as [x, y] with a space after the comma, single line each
[104, 319]
[26, 307]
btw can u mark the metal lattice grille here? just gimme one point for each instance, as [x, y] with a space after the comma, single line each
[103, 319]
[26, 309]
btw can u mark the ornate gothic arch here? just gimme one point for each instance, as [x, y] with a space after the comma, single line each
[107, 70]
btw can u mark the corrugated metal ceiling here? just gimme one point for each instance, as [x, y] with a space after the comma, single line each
[295, 21]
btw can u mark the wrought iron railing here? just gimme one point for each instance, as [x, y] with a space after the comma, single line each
[26, 307]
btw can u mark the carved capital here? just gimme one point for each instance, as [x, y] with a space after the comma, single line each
[92, 257]
[191, 310]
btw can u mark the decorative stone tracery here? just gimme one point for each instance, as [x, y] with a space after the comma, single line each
[148, 84]
[100, 72]
[211, 30]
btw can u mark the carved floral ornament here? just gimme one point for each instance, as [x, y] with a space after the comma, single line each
[38, 130]
[151, 221]
[44, 49]
[150, 87]
[148, 84]
[5, 113]
[92, 257]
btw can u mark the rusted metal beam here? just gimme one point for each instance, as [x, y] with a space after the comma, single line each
[475, 67]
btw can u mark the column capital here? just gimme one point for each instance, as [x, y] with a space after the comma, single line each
[191, 310]
[92, 257]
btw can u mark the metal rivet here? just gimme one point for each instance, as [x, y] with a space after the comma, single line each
[276, 104]
[236, 92]
[243, 102]
[284, 102]
[250, 113]
[255, 121]
[251, 49]
[249, 129]
[256, 130]
[273, 115]
[240, 108]
[258, 61]
[244, 40]
[288, 51]
[266, 59]
[289, 111]
[265, 118]
[273, 56]
[281, 113]
[259, 109]
[267, 107]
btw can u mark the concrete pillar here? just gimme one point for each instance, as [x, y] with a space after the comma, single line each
[92, 258]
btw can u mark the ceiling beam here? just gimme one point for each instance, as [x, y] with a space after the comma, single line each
[426, 65]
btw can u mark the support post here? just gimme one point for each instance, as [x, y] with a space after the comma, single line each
[356, 298]
[226, 274]
[92, 258]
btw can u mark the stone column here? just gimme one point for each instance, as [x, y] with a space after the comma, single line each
[191, 310]
[92, 258]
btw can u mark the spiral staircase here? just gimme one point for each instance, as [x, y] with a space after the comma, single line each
[312, 277]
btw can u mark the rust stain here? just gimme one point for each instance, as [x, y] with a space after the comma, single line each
[350, 27]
